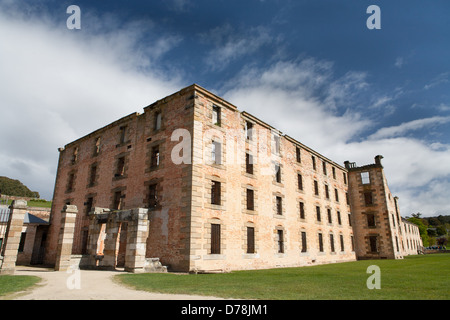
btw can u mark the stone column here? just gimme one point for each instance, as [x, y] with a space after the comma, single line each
[137, 234]
[13, 233]
[65, 240]
[93, 235]
[110, 250]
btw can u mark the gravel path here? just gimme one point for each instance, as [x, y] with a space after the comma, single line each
[87, 285]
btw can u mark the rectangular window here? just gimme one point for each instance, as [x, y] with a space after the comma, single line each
[280, 241]
[92, 175]
[341, 237]
[313, 162]
[336, 194]
[349, 219]
[324, 167]
[97, 146]
[304, 245]
[276, 144]
[118, 200]
[339, 217]
[347, 200]
[299, 181]
[320, 243]
[70, 182]
[345, 177]
[327, 192]
[332, 242]
[75, 155]
[120, 170]
[277, 173]
[316, 188]
[298, 154]
[250, 240]
[248, 130]
[215, 238]
[318, 213]
[250, 199]
[352, 242]
[329, 215]
[279, 205]
[216, 152]
[23, 236]
[157, 124]
[216, 116]
[123, 131]
[154, 161]
[215, 192]
[373, 244]
[333, 169]
[365, 178]
[248, 163]
[88, 204]
[152, 195]
[370, 220]
[302, 210]
[368, 199]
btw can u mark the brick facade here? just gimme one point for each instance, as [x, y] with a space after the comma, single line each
[241, 195]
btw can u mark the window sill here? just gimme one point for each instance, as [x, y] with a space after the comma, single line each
[214, 256]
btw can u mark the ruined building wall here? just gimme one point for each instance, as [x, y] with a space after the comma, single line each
[377, 223]
[231, 218]
[114, 167]
[213, 213]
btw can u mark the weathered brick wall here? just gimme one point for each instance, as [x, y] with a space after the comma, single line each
[168, 223]
[183, 217]
[387, 225]
[232, 214]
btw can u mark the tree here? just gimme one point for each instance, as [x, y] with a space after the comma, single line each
[13, 187]
[442, 241]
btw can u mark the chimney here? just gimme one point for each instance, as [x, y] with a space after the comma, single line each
[378, 160]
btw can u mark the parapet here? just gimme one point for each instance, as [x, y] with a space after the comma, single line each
[351, 166]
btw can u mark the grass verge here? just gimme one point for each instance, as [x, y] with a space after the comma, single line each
[413, 278]
[10, 284]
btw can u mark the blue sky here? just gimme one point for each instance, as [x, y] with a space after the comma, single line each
[310, 68]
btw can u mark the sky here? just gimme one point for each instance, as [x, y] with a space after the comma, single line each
[310, 68]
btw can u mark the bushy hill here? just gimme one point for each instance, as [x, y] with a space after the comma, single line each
[16, 188]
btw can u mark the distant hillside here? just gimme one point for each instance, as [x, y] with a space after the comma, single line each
[16, 188]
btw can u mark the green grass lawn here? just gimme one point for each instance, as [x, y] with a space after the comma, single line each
[11, 284]
[415, 277]
[41, 203]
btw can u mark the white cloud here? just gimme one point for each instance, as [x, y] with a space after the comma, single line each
[302, 99]
[439, 79]
[399, 62]
[406, 127]
[230, 44]
[58, 84]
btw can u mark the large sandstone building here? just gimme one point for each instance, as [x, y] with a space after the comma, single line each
[202, 186]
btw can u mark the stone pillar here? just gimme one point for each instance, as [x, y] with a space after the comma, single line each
[13, 233]
[110, 250]
[93, 235]
[137, 234]
[65, 240]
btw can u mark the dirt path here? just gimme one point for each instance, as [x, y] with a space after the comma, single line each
[87, 285]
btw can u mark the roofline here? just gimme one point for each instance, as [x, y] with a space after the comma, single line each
[197, 88]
